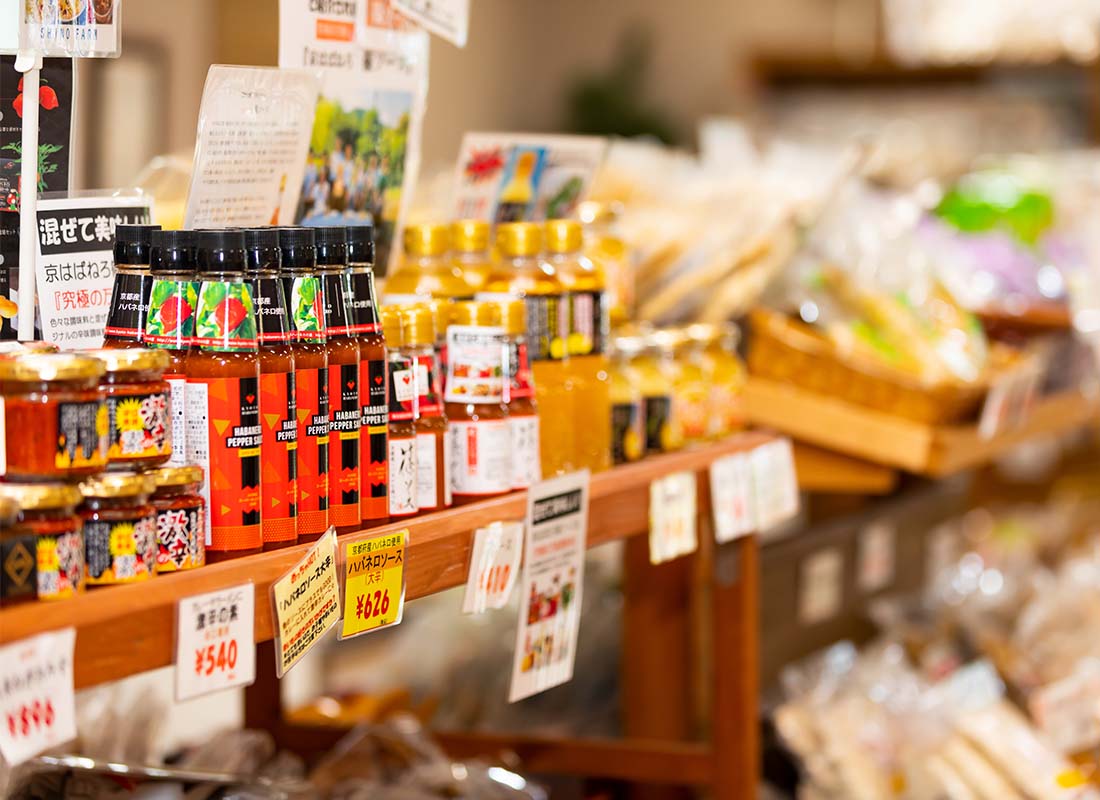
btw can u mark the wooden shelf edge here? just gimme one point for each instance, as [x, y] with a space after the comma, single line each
[829, 472]
[124, 630]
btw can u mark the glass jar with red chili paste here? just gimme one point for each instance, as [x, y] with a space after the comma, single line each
[120, 528]
[181, 518]
[139, 421]
[48, 513]
[18, 570]
[54, 417]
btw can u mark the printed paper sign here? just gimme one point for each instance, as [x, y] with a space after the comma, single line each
[365, 144]
[775, 483]
[250, 149]
[81, 28]
[553, 580]
[506, 177]
[494, 565]
[821, 586]
[672, 508]
[306, 603]
[877, 545]
[37, 709]
[447, 18]
[732, 496]
[75, 268]
[215, 641]
[374, 583]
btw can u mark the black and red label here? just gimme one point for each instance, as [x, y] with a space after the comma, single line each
[344, 421]
[279, 457]
[129, 305]
[520, 382]
[362, 302]
[272, 320]
[373, 447]
[311, 407]
[402, 389]
[338, 319]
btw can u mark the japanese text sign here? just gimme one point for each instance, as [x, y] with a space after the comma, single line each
[494, 565]
[374, 583]
[305, 603]
[37, 707]
[215, 642]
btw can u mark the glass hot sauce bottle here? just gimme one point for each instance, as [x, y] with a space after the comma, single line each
[345, 412]
[432, 444]
[279, 449]
[373, 377]
[302, 289]
[130, 294]
[223, 392]
[402, 433]
[519, 396]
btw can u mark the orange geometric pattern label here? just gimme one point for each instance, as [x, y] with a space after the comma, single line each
[279, 457]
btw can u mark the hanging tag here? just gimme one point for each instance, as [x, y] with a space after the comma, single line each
[305, 603]
[821, 589]
[494, 565]
[672, 507]
[731, 495]
[877, 543]
[37, 707]
[374, 583]
[215, 641]
[775, 483]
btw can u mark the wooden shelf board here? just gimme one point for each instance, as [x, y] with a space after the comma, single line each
[124, 630]
[829, 472]
[934, 450]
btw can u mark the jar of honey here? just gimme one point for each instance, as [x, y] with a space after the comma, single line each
[55, 417]
[47, 512]
[181, 518]
[139, 421]
[18, 570]
[120, 528]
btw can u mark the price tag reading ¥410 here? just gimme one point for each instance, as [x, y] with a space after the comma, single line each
[672, 504]
[37, 707]
[732, 497]
[494, 565]
[374, 583]
[215, 641]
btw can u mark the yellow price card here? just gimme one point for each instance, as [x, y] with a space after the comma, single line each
[374, 583]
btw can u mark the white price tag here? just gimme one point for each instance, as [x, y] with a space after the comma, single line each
[821, 587]
[1010, 400]
[775, 483]
[37, 707]
[215, 641]
[672, 509]
[494, 565]
[732, 497]
[876, 556]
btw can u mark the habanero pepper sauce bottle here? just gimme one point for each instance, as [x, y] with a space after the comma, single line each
[223, 397]
[305, 304]
[130, 294]
[373, 377]
[402, 433]
[345, 412]
[279, 448]
[170, 321]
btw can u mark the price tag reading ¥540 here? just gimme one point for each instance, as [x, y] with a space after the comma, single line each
[374, 583]
[37, 709]
[215, 641]
[672, 504]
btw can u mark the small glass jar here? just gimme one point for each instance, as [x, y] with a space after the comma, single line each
[658, 372]
[54, 416]
[628, 427]
[138, 412]
[48, 513]
[24, 347]
[18, 569]
[181, 518]
[120, 528]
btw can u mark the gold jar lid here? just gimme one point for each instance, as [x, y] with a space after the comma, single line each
[417, 325]
[177, 476]
[517, 239]
[29, 346]
[131, 359]
[666, 340]
[470, 235]
[391, 326]
[9, 510]
[514, 313]
[703, 333]
[473, 312]
[564, 236]
[427, 240]
[119, 484]
[441, 313]
[50, 367]
[42, 496]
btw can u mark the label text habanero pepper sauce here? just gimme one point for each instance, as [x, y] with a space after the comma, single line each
[223, 397]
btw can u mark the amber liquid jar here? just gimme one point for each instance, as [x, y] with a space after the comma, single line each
[48, 514]
[404, 496]
[373, 378]
[433, 480]
[120, 528]
[55, 416]
[223, 387]
[139, 422]
[132, 287]
[181, 518]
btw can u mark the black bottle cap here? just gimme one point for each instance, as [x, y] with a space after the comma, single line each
[360, 244]
[262, 249]
[332, 246]
[132, 243]
[219, 250]
[172, 251]
[298, 249]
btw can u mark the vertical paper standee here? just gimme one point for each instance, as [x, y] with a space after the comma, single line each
[29, 64]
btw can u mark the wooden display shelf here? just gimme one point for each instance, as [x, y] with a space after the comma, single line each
[933, 450]
[829, 472]
[124, 630]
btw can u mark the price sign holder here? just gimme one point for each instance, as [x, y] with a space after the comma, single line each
[374, 583]
[37, 701]
[305, 603]
[494, 565]
[215, 641]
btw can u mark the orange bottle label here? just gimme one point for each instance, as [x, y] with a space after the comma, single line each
[279, 457]
[373, 446]
[344, 420]
[311, 408]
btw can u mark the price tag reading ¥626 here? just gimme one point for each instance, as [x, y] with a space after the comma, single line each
[494, 565]
[37, 709]
[215, 641]
[306, 603]
[732, 497]
[672, 504]
[374, 583]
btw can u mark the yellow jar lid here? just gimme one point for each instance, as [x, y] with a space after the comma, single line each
[177, 476]
[517, 239]
[666, 340]
[131, 359]
[41, 496]
[50, 367]
[427, 240]
[30, 346]
[564, 236]
[441, 313]
[417, 325]
[470, 235]
[119, 484]
[391, 326]
[703, 333]
[472, 312]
